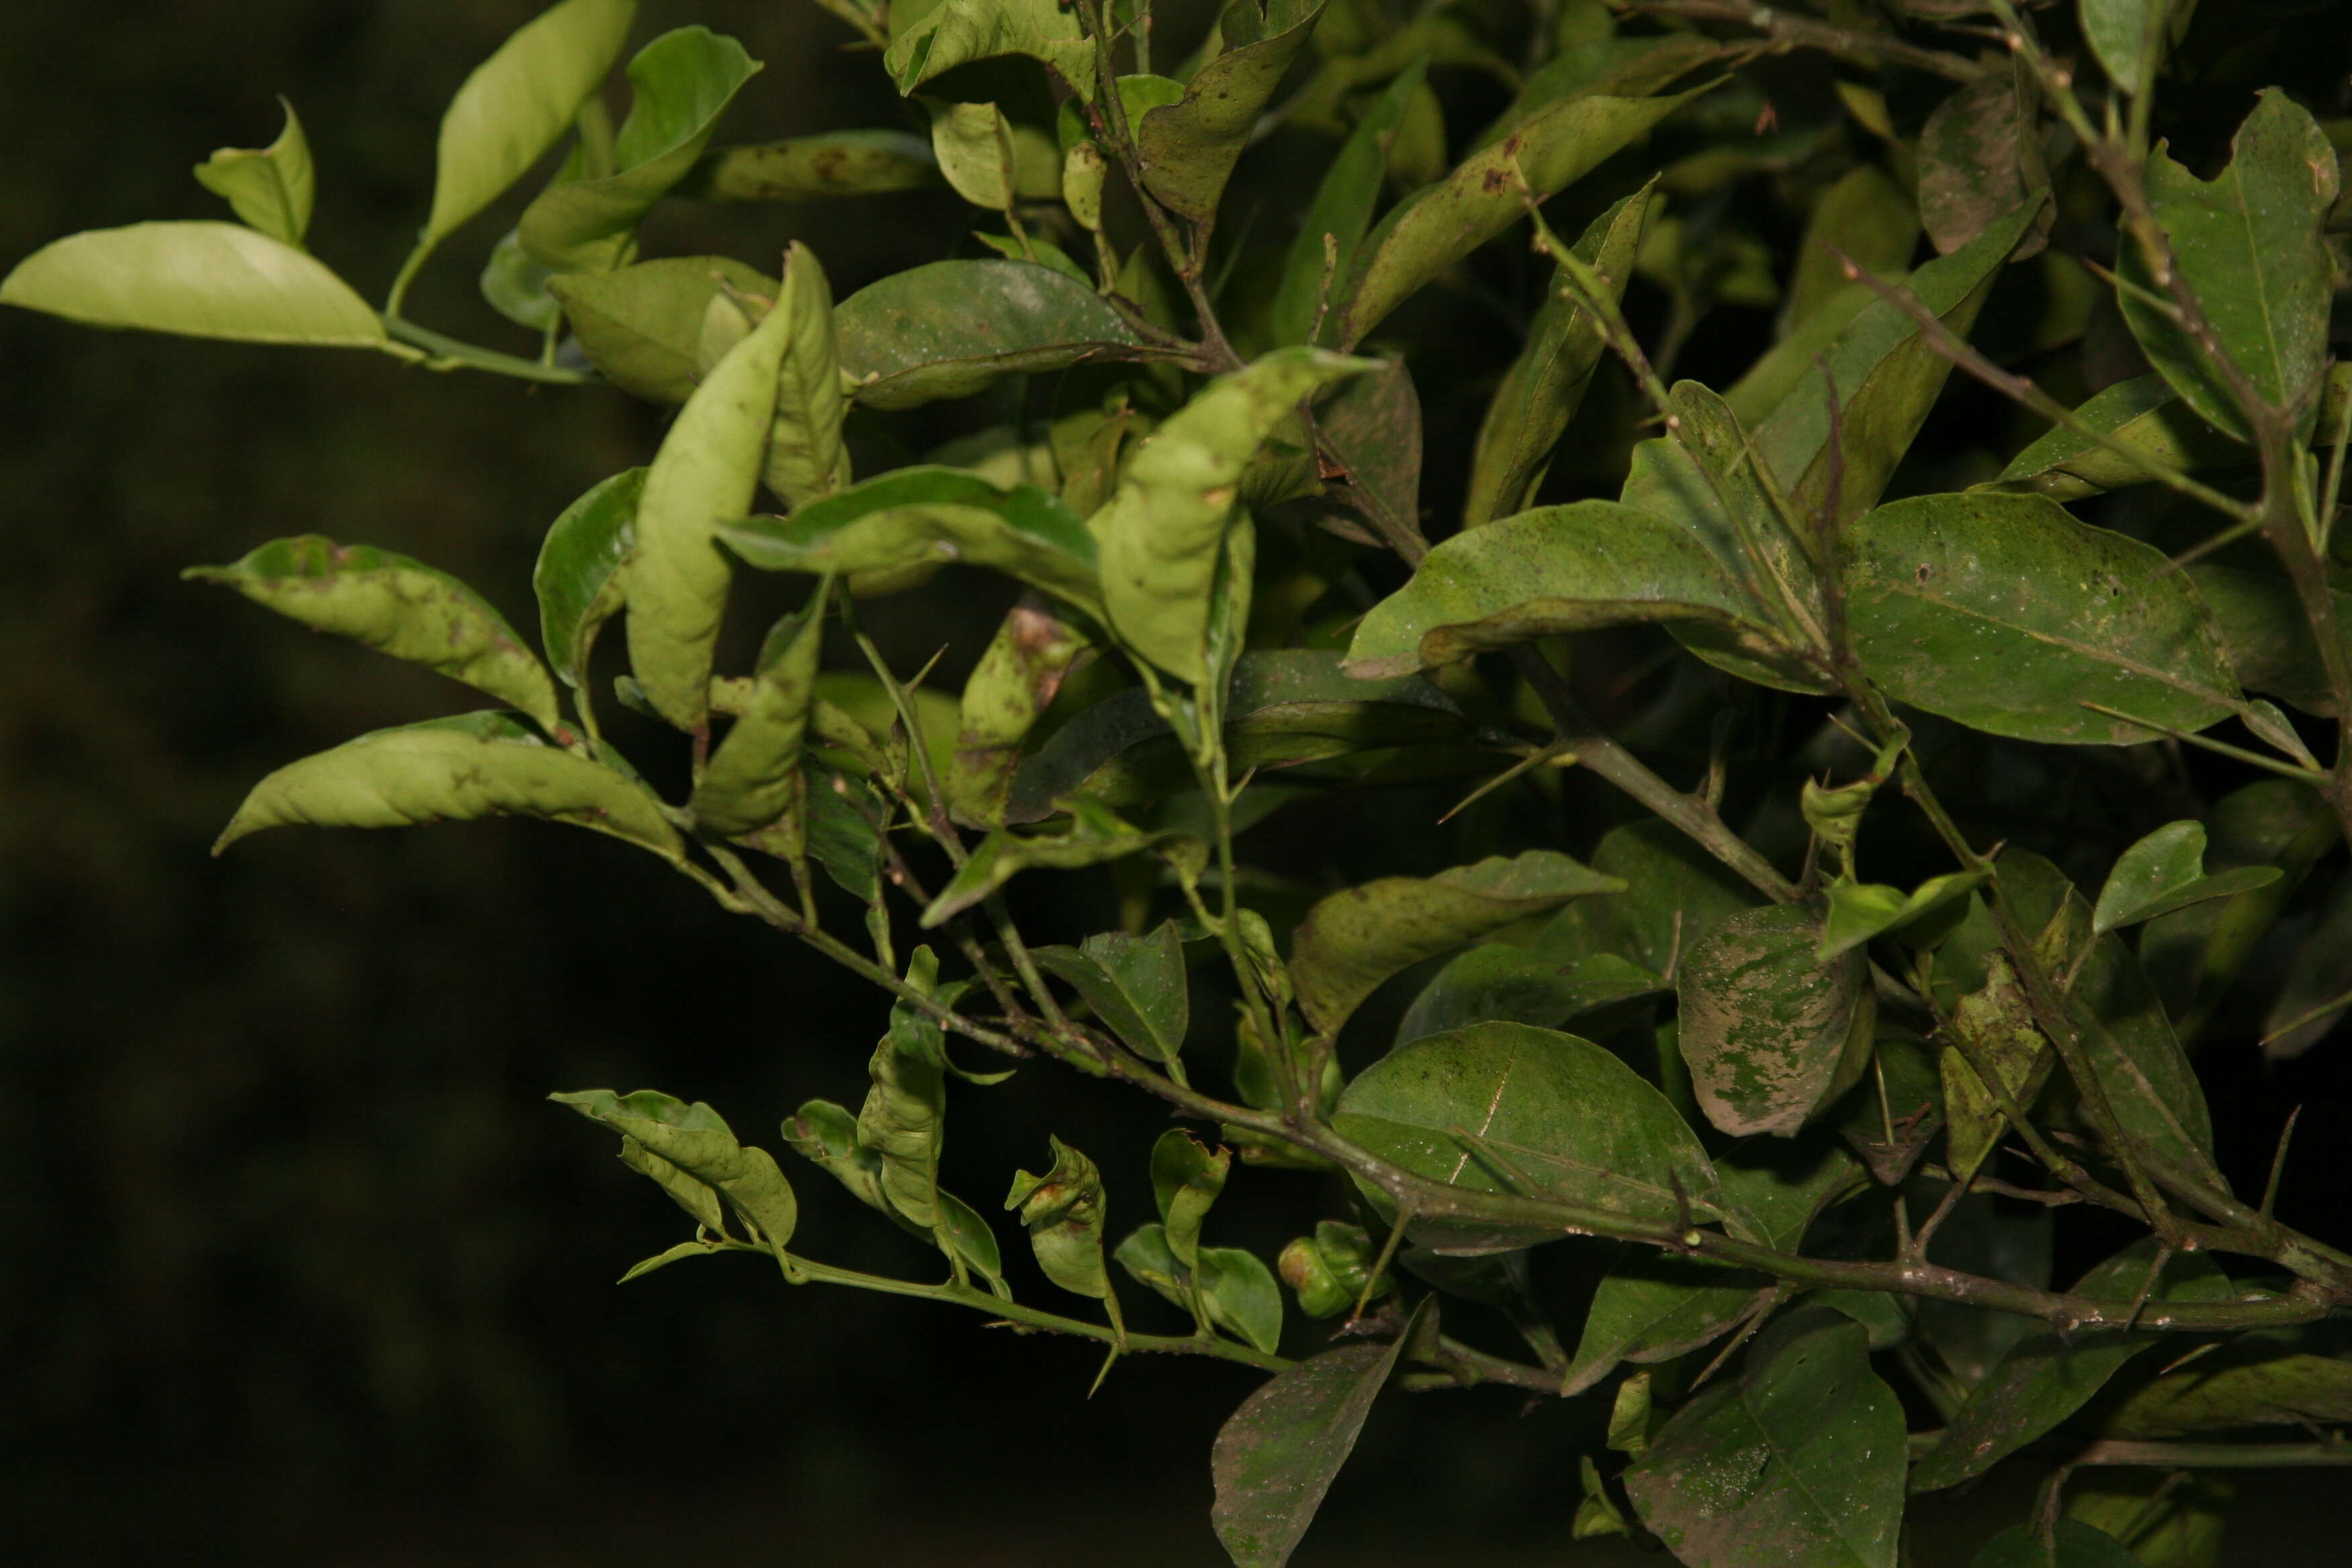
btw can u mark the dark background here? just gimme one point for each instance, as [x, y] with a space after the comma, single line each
[295, 1263]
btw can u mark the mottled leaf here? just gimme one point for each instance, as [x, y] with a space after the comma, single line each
[1770, 1032]
[806, 168]
[395, 606]
[2006, 614]
[1016, 678]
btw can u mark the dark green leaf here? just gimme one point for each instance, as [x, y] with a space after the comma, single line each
[2047, 1379]
[578, 578]
[843, 836]
[1189, 149]
[1093, 835]
[1237, 1290]
[2313, 998]
[2278, 1377]
[1277, 1455]
[1772, 1032]
[1352, 940]
[1801, 1458]
[1557, 569]
[2165, 871]
[2247, 242]
[1980, 159]
[804, 168]
[642, 325]
[1550, 1109]
[2128, 38]
[1134, 985]
[898, 528]
[452, 770]
[1545, 385]
[395, 606]
[1676, 893]
[1996, 1023]
[2266, 636]
[1511, 984]
[2132, 1051]
[683, 81]
[1342, 210]
[2168, 1520]
[2004, 613]
[199, 279]
[2143, 415]
[270, 189]
[2073, 1544]
[754, 777]
[1372, 423]
[951, 327]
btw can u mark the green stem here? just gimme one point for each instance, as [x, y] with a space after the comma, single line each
[452, 353]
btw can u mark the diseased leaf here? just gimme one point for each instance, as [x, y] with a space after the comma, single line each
[1329, 1269]
[1063, 1210]
[1996, 1021]
[270, 189]
[2047, 1379]
[807, 168]
[1189, 149]
[1372, 423]
[1136, 985]
[956, 32]
[1540, 1109]
[1277, 1455]
[516, 104]
[1016, 678]
[951, 327]
[578, 578]
[695, 1143]
[2006, 615]
[1163, 529]
[1486, 193]
[683, 81]
[1770, 1032]
[897, 529]
[2073, 1544]
[826, 1134]
[642, 326]
[806, 456]
[1980, 157]
[1675, 894]
[452, 770]
[705, 474]
[1801, 1454]
[1352, 940]
[198, 279]
[1238, 1291]
[395, 606]
[903, 1121]
[2248, 243]
[754, 778]
[1553, 570]
[1186, 1178]
[1284, 709]
[1312, 290]
[1543, 388]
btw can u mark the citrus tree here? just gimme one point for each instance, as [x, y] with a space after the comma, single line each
[1793, 837]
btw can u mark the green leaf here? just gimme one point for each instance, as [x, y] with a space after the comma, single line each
[1553, 570]
[806, 457]
[1486, 193]
[1800, 1456]
[270, 189]
[2266, 636]
[754, 777]
[1342, 210]
[642, 325]
[2143, 415]
[1353, 940]
[1284, 708]
[1859, 911]
[1065, 1209]
[1980, 159]
[684, 1249]
[1136, 986]
[1652, 1306]
[705, 474]
[1161, 530]
[1772, 1032]
[1545, 385]
[1508, 984]
[516, 286]
[2133, 1052]
[2165, 871]
[953, 327]
[1329, 1269]
[452, 770]
[1676, 893]
[2248, 243]
[2277, 1377]
[1015, 680]
[1997, 1023]
[1887, 375]
[1706, 479]
[1186, 1178]
[2047, 1379]
[988, 159]
[683, 81]
[2172, 1519]
[1372, 423]
[1238, 1291]
[693, 1142]
[395, 606]
[518, 102]
[1277, 1455]
[826, 1134]
[1189, 149]
[198, 279]
[2006, 615]
[2073, 1544]
[842, 833]
[1869, 217]
[807, 168]
[2128, 38]
[1094, 833]
[903, 1121]
[895, 529]
[956, 32]
[578, 578]
[1551, 1109]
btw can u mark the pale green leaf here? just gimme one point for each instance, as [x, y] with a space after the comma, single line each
[807, 456]
[695, 1143]
[957, 32]
[198, 279]
[271, 188]
[642, 325]
[1063, 1210]
[1859, 911]
[2143, 415]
